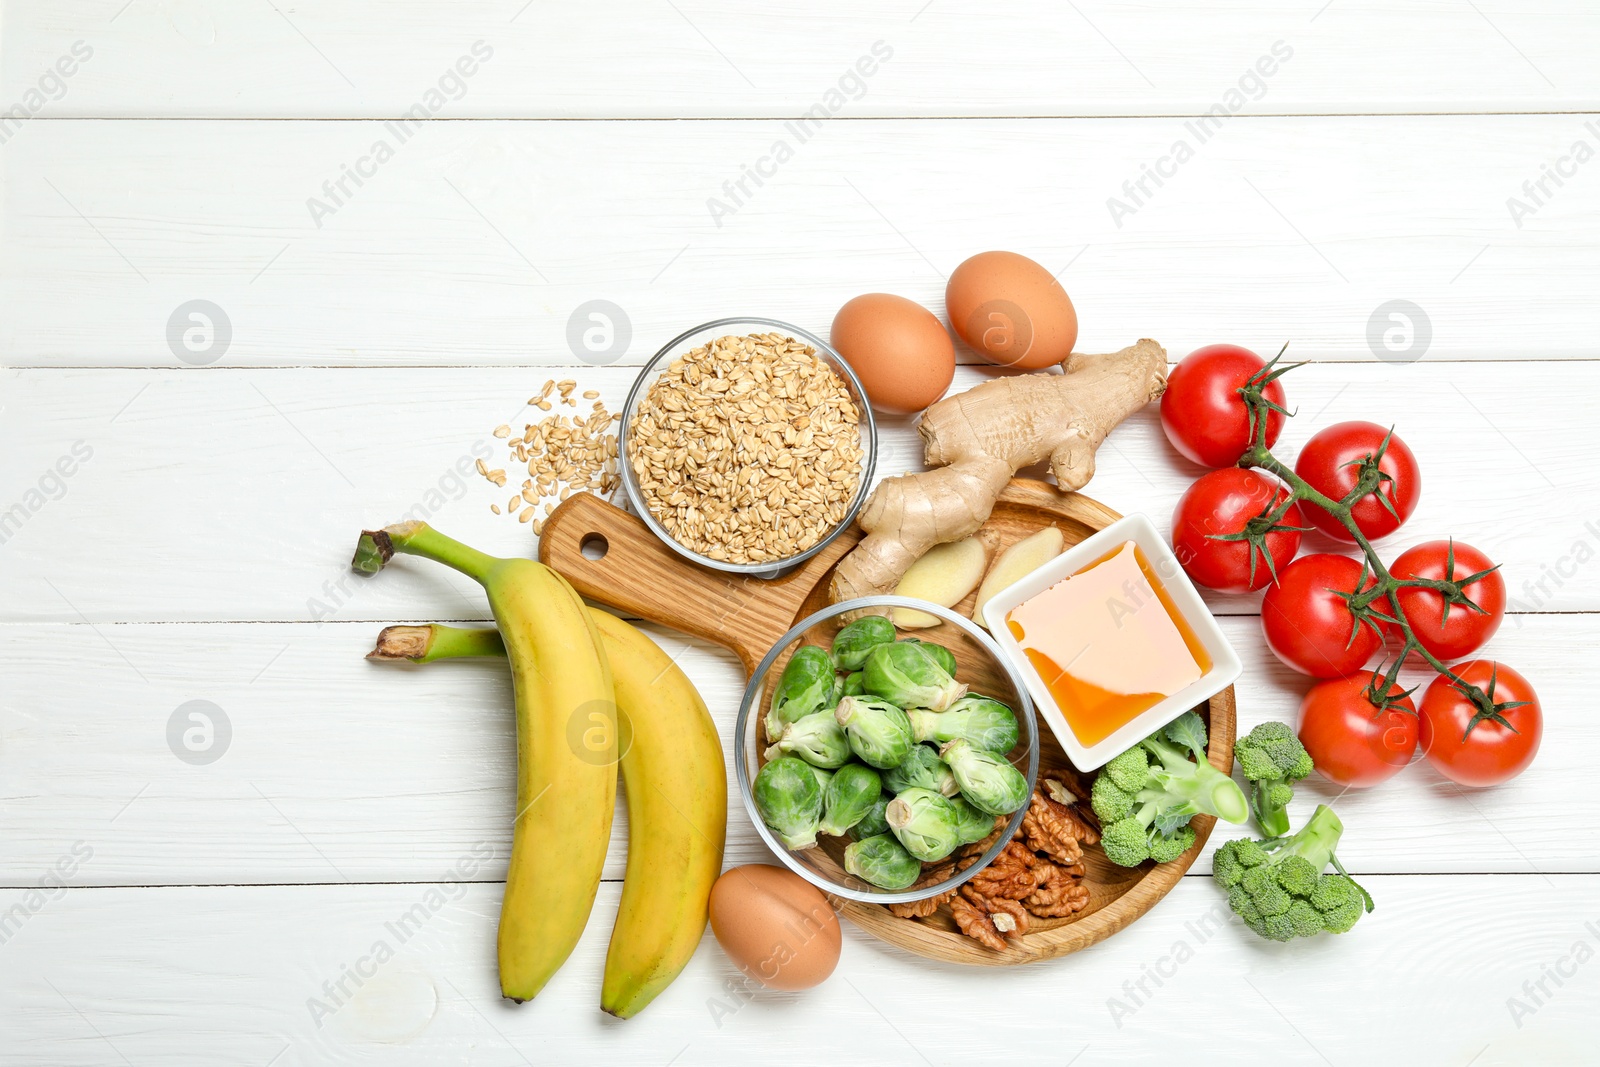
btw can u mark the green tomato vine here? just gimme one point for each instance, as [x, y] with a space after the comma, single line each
[1365, 603]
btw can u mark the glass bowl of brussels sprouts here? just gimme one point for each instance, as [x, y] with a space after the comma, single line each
[876, 759]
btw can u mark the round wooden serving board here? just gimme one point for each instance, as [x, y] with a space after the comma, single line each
[611, 557]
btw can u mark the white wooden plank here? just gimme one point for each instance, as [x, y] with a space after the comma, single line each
[240, 968]
[237, 495]
[340, 770]
[368, 59]
[477, 241]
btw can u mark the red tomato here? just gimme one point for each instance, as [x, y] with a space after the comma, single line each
[1229, 501]
[1489, 752]
[1463, 631]
[1353, 742]
[1202, 412]
[1307, 623]
[1331, 463]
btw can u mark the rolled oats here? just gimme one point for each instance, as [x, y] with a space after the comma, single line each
[747, 449]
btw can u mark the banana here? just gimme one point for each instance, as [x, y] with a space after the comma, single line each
[566, 790]
[677, 793]
[677, 818]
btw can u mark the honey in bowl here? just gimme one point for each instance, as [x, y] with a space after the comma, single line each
[1108, 642]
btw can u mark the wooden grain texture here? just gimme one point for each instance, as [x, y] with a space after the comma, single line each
[196, 977]
[369, 58]
[477, 241]
[1118, 897]
[637, 574]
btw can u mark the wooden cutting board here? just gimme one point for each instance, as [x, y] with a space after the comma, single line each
[611, 557]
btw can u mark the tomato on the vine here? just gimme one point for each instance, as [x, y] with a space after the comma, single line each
[1469, 745]
[1450, 625]
[1307, 620]
[1353, 742]
[1333, 463]
[1202, 412]
[1221, 533]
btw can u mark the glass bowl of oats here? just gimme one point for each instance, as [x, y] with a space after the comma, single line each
[747, 445]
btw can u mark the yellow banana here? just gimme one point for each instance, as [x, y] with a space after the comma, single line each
[566, 788]
[677, 819]
[677, 793]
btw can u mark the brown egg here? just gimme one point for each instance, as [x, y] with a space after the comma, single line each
[898, 348]
[775, 926]
[1011, 310]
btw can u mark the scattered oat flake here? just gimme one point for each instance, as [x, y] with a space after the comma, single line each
[495, 508]
[526, 516]
[502, 431]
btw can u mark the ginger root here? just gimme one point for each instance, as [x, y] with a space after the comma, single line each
[979, 439]
[1022, 558]
[944, 575]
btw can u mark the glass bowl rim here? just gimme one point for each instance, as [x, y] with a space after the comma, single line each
[752, 691]
[630, 484]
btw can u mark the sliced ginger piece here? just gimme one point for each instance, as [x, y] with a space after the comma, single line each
[943, 575]
[1027, 555]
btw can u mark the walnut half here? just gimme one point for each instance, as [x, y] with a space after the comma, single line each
[1059, 895]
[988, 921]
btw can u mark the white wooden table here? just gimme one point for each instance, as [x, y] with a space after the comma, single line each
[178, 519]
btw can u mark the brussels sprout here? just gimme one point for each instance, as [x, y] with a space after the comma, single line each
[925, 823]
[818, 739]
[873, 823]
[974, 825]
[852, 684]
[942, 655]
[989, 783]
[790, 801]
[908, 675]
[848, 797]
[984, 721]
[806, 687]
[883, 861]
[923, 768]
[877, 731]
[851, 645]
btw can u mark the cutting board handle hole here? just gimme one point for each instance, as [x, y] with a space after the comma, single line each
[594, 546]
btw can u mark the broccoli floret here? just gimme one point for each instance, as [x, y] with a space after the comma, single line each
[1273, 759]
[1164, 848]
[1109, 800]
[1231, 861]
[1277, 886]
[1266, 894]
[1128, 770]
[1275, 928]
[1146, 797]
[1306, 920]
[1126, 843]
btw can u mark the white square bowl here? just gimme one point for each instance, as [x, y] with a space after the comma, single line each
[1225, 665]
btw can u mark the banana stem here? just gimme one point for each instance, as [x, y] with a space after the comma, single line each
[377, 547]
[424, 644]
